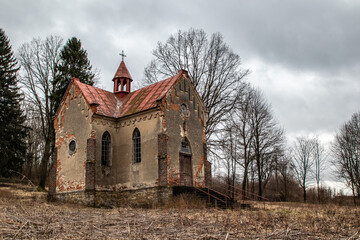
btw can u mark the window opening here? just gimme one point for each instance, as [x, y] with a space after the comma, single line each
[136, 146]
[118, 85]
[124, 87]
[185, 146]
[183, 108]
[105, 149]
[72, 147]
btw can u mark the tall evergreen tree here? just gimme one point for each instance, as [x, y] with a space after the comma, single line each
[12, 120]
[74, 62]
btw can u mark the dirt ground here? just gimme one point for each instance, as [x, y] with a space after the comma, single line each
[25, 214]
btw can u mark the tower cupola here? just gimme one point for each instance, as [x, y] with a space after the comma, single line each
[122, 81]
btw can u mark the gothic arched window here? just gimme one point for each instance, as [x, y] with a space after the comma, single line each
[105, 149]
[185, 147]
[136, 140]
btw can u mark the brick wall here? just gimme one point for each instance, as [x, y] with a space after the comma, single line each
[90, 164]
[207, 167]
[162, 158]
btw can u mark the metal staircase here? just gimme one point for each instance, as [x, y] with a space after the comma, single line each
[220, 196]
[211, 196]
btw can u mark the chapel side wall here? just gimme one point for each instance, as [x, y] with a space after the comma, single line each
[123, 173]
[194, 130]
[72, 123]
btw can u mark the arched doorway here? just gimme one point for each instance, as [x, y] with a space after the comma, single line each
[186, 178]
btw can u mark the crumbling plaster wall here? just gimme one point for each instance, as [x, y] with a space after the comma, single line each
[122, 172]
[73, 123]
[190, 124]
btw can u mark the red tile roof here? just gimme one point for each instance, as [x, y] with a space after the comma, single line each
[107, 101]
[109, 105]
[122, 72]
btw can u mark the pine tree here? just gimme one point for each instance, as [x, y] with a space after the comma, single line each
[12, 121]
[74, 62]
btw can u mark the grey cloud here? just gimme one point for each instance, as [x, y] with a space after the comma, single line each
[319, 38]
[311, 35]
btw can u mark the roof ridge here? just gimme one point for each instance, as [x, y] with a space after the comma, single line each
[167, 79]
[94, 87]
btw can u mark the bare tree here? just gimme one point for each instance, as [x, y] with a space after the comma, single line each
[346, 149]
[303, 162]
[34, 142]
[285, 176]
[268, 139]
[213, 67]
[237, 135]
[39, 59]
[228, 147]
[319, 159]
[241, 123]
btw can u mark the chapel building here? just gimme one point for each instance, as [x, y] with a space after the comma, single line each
[129, 148]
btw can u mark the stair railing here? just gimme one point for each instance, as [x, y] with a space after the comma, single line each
[213, 196]
[197, 186]
[238, 191]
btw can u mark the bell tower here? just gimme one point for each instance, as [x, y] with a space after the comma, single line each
[122, 79]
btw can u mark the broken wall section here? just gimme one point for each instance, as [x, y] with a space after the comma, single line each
[185, 117]
[73, 127]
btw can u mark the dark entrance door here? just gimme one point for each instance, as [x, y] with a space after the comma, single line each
[185, 170]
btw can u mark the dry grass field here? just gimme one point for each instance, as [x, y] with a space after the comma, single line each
[25, 214]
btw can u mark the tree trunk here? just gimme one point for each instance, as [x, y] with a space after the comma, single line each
[260, 184]
[260, 190]
[244, 183]
[44, 164]
[29, 167]
[233, 187]
[285, 191]
[304, 190]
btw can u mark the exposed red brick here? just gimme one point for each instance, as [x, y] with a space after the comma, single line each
[60, 140]
[90, 164]
[162, 159]
[199, 167]
[207, 167]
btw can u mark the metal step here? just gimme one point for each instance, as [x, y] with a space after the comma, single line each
[212, 197]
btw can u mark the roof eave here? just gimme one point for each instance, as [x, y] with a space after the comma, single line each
[128, 115]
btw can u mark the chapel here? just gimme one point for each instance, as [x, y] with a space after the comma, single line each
[129, 147]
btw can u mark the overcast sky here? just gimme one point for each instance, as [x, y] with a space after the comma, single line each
[304, 55]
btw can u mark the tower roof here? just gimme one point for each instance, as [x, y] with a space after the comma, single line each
[122, 72]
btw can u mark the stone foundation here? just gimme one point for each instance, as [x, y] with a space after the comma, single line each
[145, 198]
[78, 197]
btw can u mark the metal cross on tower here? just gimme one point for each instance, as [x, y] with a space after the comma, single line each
[122, 55]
